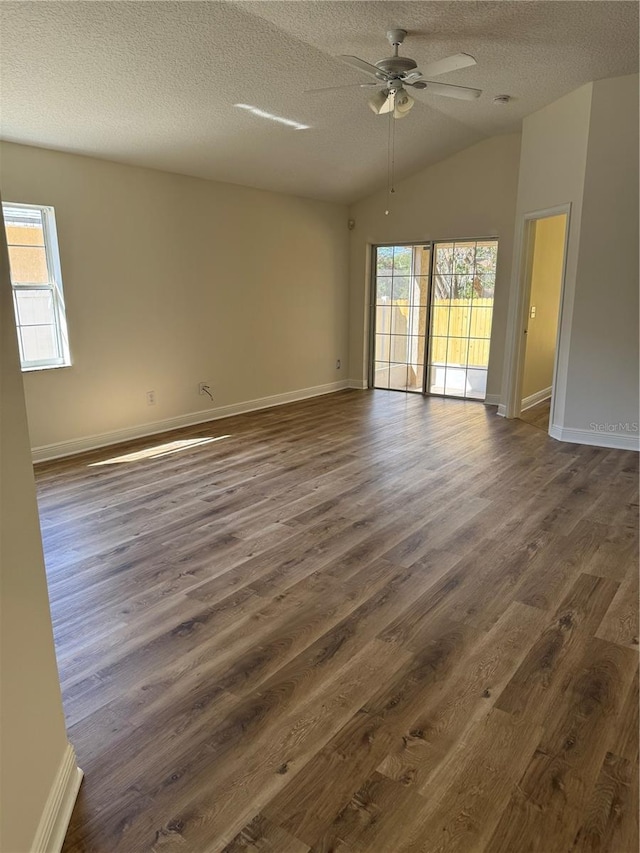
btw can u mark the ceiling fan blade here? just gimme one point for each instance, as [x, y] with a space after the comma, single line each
[449, 63]
[356, 62]
[345, 86]
[463, 93]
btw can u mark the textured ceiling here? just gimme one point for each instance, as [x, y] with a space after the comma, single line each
[155, 83]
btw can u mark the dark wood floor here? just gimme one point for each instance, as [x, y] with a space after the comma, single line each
[538, 416]
[364, 622]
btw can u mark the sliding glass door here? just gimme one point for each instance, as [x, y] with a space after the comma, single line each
[464, 275]
[400, 316]
[432, 306]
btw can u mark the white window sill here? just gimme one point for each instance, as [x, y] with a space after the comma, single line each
[45, 367]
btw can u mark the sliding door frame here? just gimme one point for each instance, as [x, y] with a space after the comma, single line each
[373, 289]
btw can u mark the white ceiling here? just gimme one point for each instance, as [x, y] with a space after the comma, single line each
[155, 83]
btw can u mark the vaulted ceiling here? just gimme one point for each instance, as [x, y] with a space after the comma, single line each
[155, 83]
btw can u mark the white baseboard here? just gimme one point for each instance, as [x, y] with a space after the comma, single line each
[534, 399]
[492, 400]
[358, 384]
[92, 442]
[502, 410]
[57, 811]
[597, 438]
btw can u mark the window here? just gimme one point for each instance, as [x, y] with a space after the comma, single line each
[37, 286]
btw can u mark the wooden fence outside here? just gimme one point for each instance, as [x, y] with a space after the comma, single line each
[401, 328]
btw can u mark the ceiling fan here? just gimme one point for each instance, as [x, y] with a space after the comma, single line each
[393, 74]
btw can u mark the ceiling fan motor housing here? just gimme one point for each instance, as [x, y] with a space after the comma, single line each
[397, 65]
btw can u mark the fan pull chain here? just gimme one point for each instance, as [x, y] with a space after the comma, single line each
[391, 157]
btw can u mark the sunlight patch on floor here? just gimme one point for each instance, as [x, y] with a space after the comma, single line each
[159, 450]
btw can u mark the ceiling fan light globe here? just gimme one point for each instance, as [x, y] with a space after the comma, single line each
[378, 102]
[404, 103]
[388, 105]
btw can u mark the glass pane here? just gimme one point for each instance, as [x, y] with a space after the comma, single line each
[419, 290]
[383, 318]
[476, 384]
[442, 287]
[399, 346]
[440, 321]
[415, 349]
[399, 319]
[38, 343]
[479, 352]
[484, 286]
[383, 290]
[444, 258]
[438, 354]
[416, 317]
[421, 257]
[456, 381]
[401, 288]
[457, 350]
[25, 234]
[414, 378]
[459, 318]
[382, 348]
[463, 288]
[35, 307]
[28, 265]
[486, 257]
[464, 258]
[417, 321]
[384, 260]
[435, 382]
[480, 326]
[398, 377]
[402, 260]
[380, 375]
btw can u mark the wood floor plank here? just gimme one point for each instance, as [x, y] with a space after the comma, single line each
[473, 689]
[620, 623]
[612, 812]
[371, 818]
[547, 806]
[468, 793]
[308, 805]
[535, 684]
[363, 622]
[261, 835]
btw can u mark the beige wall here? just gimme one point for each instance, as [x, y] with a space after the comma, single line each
[472, 194]
[31, 720]
[546, 283]
[552, 166]
[170, 281]
[582, 150]
[602, 374]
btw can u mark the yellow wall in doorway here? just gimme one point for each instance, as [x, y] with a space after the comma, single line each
[546, 283]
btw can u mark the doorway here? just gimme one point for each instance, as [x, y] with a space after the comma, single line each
[431, 317]
[544, 275]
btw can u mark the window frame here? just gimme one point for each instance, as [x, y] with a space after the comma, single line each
[52, 286]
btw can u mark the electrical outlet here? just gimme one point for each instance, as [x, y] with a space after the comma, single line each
[338, 364]
[532, 312]
[151, 398]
